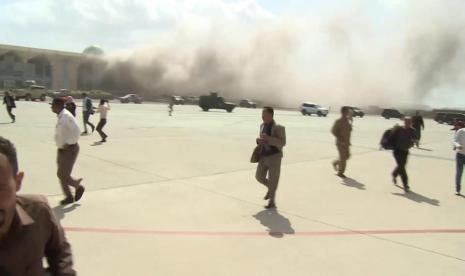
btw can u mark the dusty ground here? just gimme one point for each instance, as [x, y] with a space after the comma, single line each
[177, 196]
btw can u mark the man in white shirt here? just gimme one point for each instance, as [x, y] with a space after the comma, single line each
[459, 147]
[66, 138]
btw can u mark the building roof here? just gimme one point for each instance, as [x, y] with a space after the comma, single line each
[40, 51]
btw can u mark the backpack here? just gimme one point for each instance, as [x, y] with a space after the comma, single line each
[388, 141]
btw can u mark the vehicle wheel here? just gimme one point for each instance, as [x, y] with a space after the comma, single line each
[387, 118]
[325, 115]
[28, 97]
[303, 112]
[42, 98]
[205, 109]
[229, 110]
[319, 114]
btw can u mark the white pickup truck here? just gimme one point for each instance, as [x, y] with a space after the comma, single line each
[311, 108]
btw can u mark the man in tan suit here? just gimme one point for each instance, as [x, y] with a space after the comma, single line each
[341, 130]
[271, 142]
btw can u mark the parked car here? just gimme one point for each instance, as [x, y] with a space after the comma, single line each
[311, 108]
[247, 104]
[177, 100]
[392, 113]
[439, 117]
[131, 98]
[450, 118]
[212, 101]
[357, 112]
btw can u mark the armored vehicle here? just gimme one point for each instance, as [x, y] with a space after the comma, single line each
[212, 101]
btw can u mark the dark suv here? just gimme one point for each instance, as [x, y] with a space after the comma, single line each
[439, 117]
[450, 118]
[392, 113]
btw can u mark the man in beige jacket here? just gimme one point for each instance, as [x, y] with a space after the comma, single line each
[271, 142]
[341, 130]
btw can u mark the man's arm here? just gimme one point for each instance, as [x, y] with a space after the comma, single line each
[58, 250]
[280, 140]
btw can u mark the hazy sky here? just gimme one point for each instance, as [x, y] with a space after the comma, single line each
[74, 24]
[365, 51]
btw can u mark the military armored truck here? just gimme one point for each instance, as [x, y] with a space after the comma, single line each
[212, 101]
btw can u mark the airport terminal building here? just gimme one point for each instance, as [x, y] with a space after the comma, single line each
[52, 69]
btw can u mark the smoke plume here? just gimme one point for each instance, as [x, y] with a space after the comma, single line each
[345, 57]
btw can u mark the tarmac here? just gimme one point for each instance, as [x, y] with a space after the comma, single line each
[177, 196]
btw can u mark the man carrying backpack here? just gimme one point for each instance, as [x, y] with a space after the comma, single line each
[403, 138]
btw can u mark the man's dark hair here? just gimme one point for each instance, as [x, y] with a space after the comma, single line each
[8, 149]
[59, 101]
[345, 109]
[269, 109]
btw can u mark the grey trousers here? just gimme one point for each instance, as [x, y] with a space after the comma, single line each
[65, 161]
[269, 166]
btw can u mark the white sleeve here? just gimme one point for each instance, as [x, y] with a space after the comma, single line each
[457, 139]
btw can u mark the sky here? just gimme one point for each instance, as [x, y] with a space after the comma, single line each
[364, 51]
[118, 24]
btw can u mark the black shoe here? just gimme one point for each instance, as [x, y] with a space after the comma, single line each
[93, 128]
[394, 180]
[67, 200]
[407, 189]
[270, 206]
[103, 140]
[341, 175]
[458, 194]
[79, 192]
[84, 133]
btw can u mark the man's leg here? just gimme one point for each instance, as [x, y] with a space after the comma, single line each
[63, 172]
[261, 172]
[10, 113]
[460, 161]
[344, 155]
[403, 155]
[100, 125]
[395, 172]
[85, 119]
[273, 178]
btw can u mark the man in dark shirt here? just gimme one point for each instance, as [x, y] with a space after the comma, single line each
[271, 142]
[9, 101]
[404, 137]
[418, 125]
[29, 231]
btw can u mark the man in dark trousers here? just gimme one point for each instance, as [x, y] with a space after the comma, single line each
[418, 125]
[403, 137]
[9, 101]
[29, 231]
[271, 141]
[342, 130]
[87, 110]
[66, 138]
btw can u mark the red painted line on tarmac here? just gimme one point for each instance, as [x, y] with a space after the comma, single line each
[264, 233]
